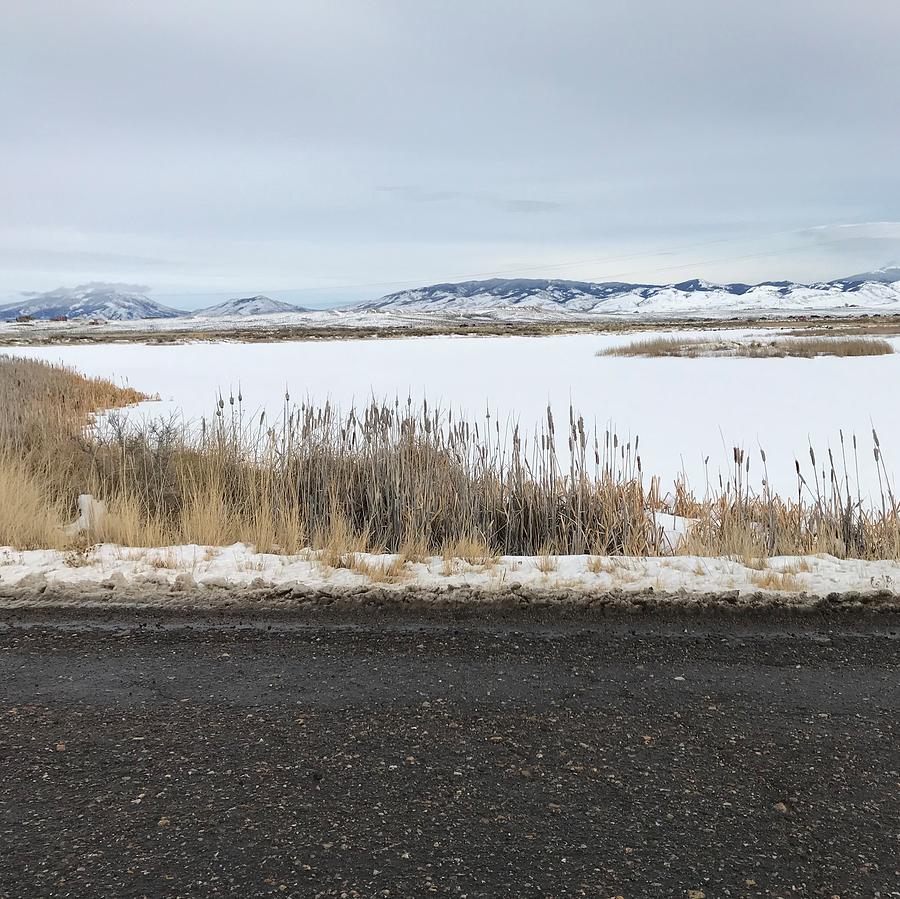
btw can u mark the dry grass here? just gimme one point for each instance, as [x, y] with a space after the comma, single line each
[393, 478]
[757, 348]
[757, 564]
[776, 580]
[809, 347]
[43, 449]
[338, 543]
[599, 565]
[29, 519]
[414, 549]
[801, 324]
[473, 550]
[391, 571]
[546, 563]
[163, 559]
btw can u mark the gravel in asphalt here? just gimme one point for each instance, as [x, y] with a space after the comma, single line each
[414, 756]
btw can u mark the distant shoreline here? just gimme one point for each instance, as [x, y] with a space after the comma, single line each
[40, 333]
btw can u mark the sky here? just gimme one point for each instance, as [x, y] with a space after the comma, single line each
[327, 151]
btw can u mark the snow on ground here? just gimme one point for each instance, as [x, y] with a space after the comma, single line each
[201, 321]
[684, 410]
[199, 567]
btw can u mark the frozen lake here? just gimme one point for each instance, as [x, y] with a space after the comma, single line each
[683, 409]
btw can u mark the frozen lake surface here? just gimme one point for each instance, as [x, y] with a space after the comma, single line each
[683, 409]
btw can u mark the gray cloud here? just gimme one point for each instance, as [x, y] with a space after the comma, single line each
[203, 146]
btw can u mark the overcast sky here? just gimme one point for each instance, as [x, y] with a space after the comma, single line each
[331, 150]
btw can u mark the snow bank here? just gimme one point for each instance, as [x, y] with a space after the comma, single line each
[136, 576]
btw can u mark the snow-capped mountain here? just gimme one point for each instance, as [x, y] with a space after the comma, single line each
[875, 291]
[887, 275]
[497, 293]
[869, 292]
[247, 306]
[112, 302]
[123, 302]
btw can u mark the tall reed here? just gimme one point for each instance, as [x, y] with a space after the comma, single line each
[396, 477]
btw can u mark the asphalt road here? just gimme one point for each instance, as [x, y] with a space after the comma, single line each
[404, 757]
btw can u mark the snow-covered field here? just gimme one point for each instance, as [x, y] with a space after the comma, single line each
[153, 574]
[683, 409]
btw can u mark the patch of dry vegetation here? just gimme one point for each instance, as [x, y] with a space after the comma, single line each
[391, 571]
[600, 565]
[472, 550]
[391, 479]
[485, 325]
[756, 348]
[785, 581]
[43, 448]
[388, 478]
[546, 562]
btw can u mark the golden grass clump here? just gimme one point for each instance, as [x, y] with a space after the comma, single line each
[391, 571]
[600, 565]
[473, 550]
[338, 544]
[414, 549]
[776, 580]
[546, 562]
[755, 348]
[29, 519]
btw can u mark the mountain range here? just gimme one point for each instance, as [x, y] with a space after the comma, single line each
[122, 302]
[876, 291]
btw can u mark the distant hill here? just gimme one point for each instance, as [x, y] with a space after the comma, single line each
[887, 275]
[122, 302]
[247, 306]
[112, 302]
[875, 290]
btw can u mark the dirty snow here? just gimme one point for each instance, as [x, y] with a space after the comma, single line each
[200, 567]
